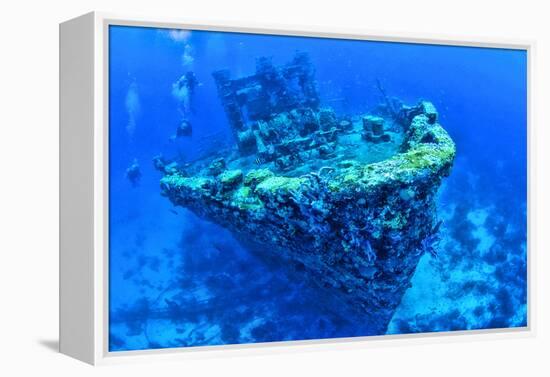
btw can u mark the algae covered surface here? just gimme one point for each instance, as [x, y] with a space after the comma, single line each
[262, 189]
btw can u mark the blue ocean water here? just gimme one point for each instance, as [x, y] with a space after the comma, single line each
[177, 280]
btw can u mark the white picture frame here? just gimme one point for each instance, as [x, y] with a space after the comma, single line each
[84, 189]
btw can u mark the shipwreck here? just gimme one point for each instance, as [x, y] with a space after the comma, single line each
[349, 201]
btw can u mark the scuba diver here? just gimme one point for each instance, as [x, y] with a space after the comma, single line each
[184, 129]
[183, 91]
[133, 173]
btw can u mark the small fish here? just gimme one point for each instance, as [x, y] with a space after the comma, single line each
[259, 161]
[174, 212]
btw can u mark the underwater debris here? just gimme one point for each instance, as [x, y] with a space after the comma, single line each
[133, 173]
[308, 187]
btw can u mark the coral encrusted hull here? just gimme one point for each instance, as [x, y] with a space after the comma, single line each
[356, 229]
